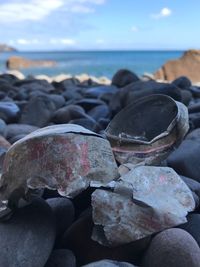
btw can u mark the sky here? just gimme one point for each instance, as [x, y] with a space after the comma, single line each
[100, 24]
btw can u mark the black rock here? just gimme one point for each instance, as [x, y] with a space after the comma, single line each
[64, 213]
[87, 123]
[192, 184]
[78, 239]
[66, 84]
[172, 248]
[99, 112]
[97, 92]
[10, 78]
[9, 111]
[182, 82]
[58, 100]
[124, 77]
[34, 85]
[16, 138]
[89, 103]
[61, 258]
[192, 226]
[195, 90]
[186, 159]
[194, 120]
[194, 108]
[38, 111]
[19, 129]
[3, 127]
[27, 238]
[194, 135]
[68, 113]
[186, 97]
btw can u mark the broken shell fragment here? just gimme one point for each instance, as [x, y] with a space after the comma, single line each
[144, 201]
[61, 157]
[147, 130]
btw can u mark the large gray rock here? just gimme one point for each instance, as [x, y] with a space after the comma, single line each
[27, 238]
[172, 248]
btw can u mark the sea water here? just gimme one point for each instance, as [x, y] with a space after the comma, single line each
[96, 63]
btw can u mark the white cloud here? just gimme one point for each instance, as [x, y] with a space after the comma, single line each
[35, 10]
[30, 10]
[81, 9]
[100, 41]
[96, 2]
[56, 41]
[164, 12]
[134, 29]
[26, 41]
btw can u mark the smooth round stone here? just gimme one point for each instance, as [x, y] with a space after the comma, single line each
[172, 248]
[78, 239]
[58, 100]
[73, 94]
[3, 131]
[89, 103]
[68, 113]
[98, 91]
[10, 78]
[124, 77]
[192, 226]
[99, 112]
[15, 129]
[194, 120]
[182, 82]
[109, 263]
[194, 108]
[194, 135]
[27, 238]
[15, 138]
[34, 85]
[61, 258]
[192, 184]
[64, 213]
[87, 123]
[186, 159]
[9, 111]
[186, 96]
[38, 111]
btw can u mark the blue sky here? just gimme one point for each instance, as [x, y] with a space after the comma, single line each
[100, 24]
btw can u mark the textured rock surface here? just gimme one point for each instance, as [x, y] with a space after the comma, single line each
[174, 248]
[61, 258]
[27, 238]
[188, 65]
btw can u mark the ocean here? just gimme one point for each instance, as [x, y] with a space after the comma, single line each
[96, 63]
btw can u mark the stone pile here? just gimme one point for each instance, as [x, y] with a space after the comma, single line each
[40, 226]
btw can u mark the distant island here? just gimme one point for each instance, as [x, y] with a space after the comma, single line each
[6, 48]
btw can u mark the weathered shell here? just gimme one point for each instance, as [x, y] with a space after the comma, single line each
[147, 130]
[62, 157]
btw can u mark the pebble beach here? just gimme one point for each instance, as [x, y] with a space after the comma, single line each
[72, 148]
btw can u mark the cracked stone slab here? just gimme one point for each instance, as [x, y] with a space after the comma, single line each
[61, 157]
[144, 201]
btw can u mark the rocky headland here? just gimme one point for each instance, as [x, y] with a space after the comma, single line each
[188, 65]
[6, 48]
